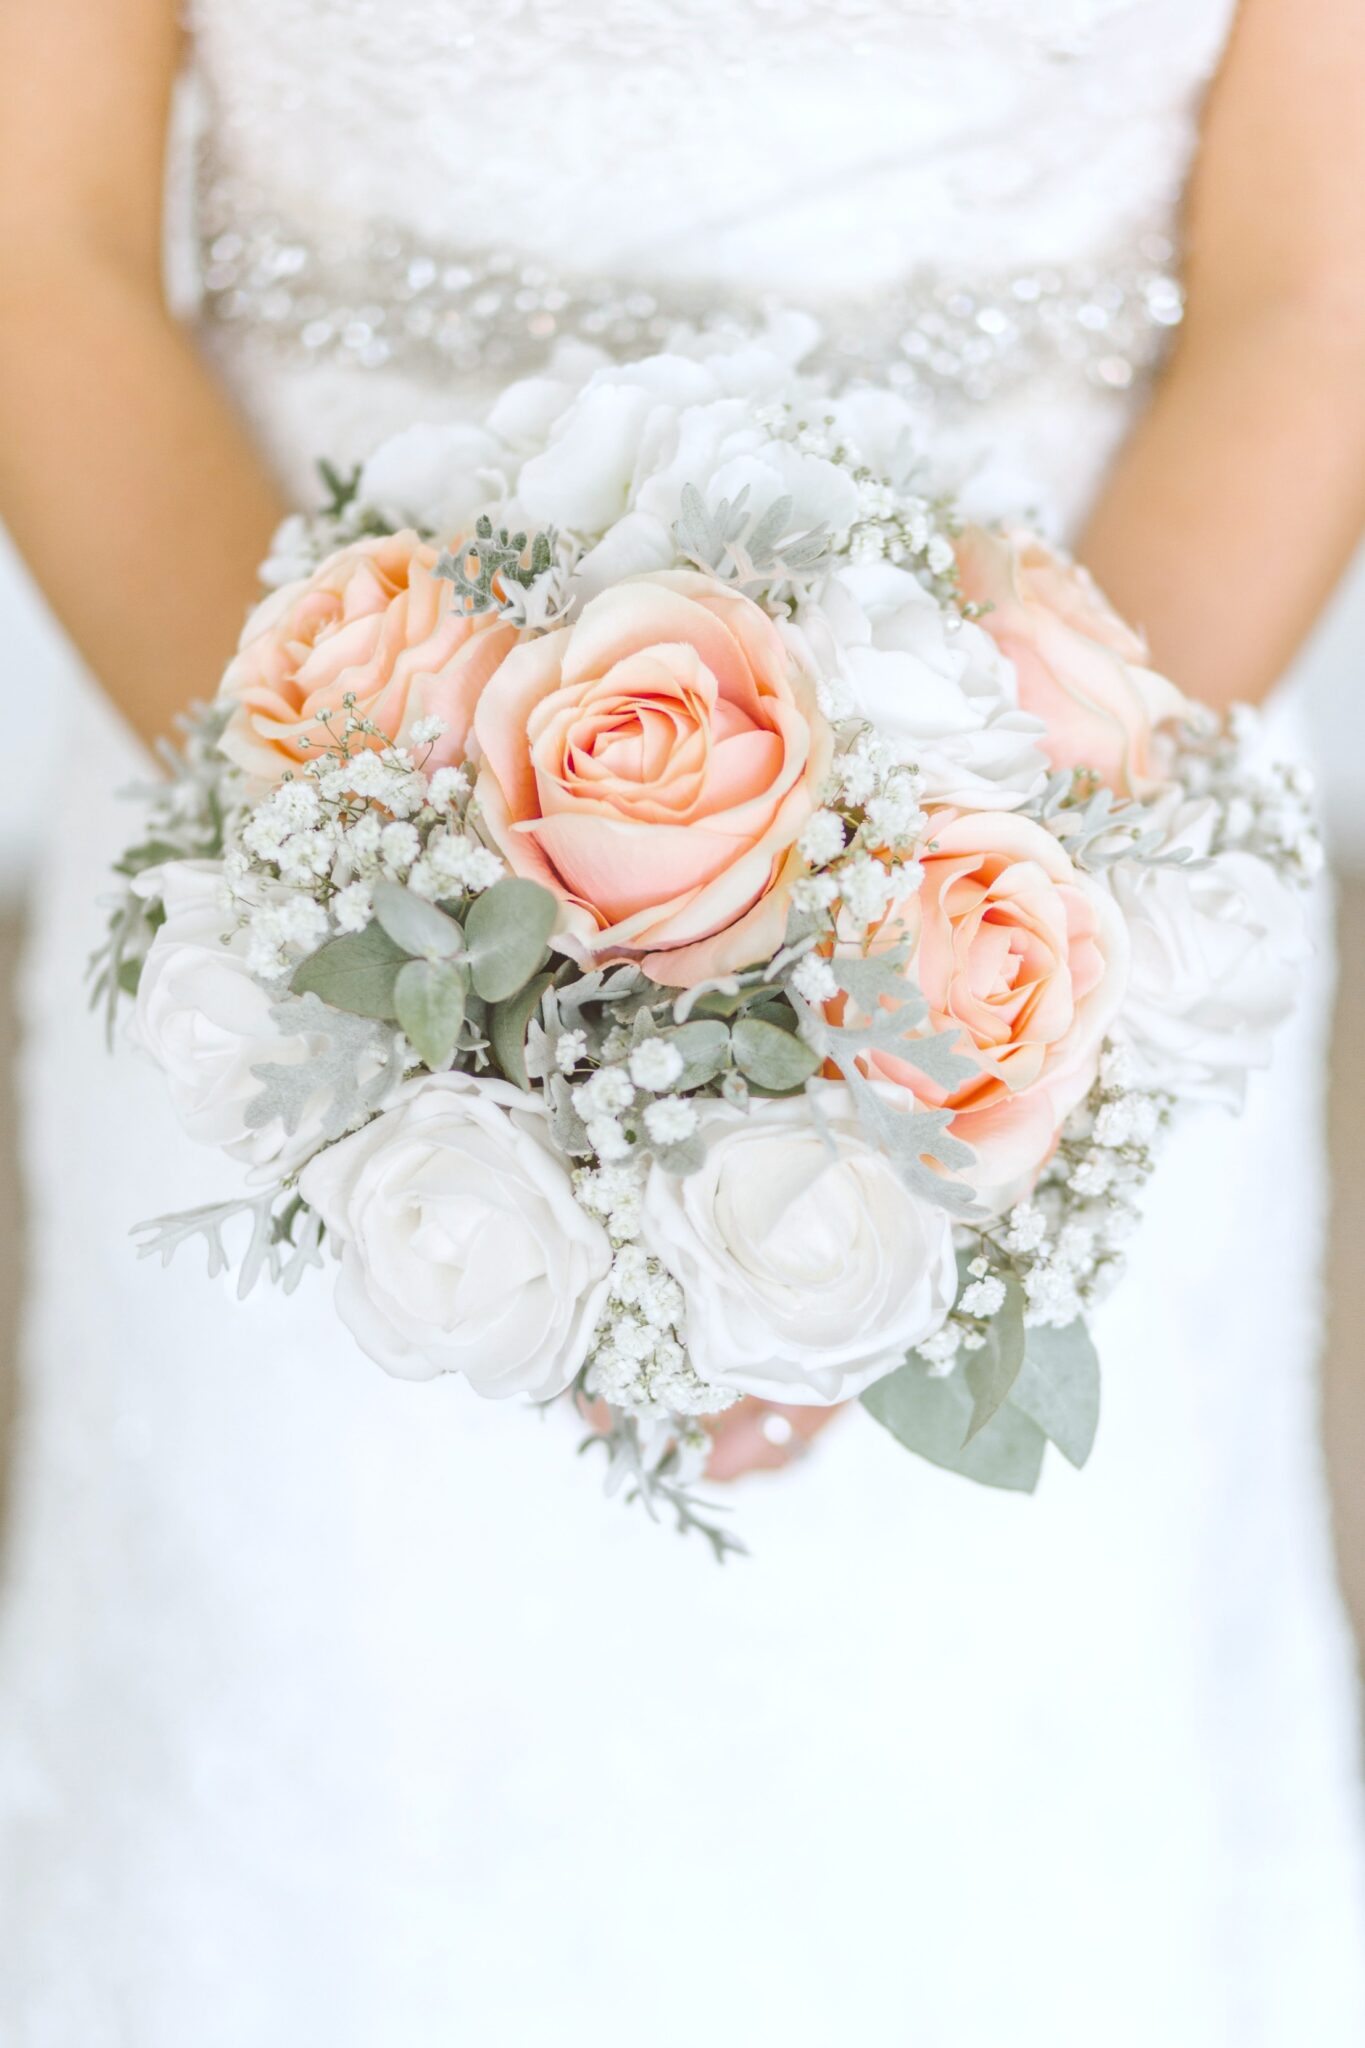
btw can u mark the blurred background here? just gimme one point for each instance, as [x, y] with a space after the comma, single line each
[38, 672]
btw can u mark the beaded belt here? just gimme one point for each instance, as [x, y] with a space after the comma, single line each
[379, 298]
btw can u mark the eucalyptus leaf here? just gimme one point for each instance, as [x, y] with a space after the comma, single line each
[772, 1058]
[417, 926]
[508, 1023]
[506, 934]
[429, 997]
[356, 972]
[154, 853]
[992, 1371]
[1059, 1388]
[705, 1047]
[932, 1416]
[724, 1002]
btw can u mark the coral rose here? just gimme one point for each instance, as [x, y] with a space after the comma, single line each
[373, 621]
[1079, 667]
[1027, 960]
[653, 765]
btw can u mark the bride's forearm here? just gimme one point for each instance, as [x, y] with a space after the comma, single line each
[125, 479]
[1239, 499]
[1234, 507]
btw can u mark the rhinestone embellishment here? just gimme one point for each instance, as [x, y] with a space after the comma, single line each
[380, 299]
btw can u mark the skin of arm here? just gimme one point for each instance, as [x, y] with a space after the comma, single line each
[126, 479]
[1238, 500]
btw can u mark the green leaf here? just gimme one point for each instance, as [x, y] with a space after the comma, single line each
[728, 1003]
[507, 1027]
[704, 1043]
[505, 936]
[151, 854]
[932, 1417]
[993, 1370]
[429, 996]
[418, 927]
[129, 975]
[1059, 1388]
[355, 972]
[772, 1058]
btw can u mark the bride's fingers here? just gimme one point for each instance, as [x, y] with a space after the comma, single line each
[761, 1436]
[753, 1436]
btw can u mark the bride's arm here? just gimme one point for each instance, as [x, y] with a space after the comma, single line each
[1239, 499]
[125, 478]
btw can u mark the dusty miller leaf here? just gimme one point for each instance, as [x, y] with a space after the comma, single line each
[345, 1075]
[163, 1236]
[753, 551]
[491, 559]
[909, 1137]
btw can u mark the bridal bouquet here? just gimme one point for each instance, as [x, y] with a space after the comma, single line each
[677, 915]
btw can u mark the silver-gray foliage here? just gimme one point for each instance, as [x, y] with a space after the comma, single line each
[755, 551]
[351, 1064]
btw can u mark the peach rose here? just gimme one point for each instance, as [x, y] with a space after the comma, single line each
[1027, 960]
[653, 765]
[372, 620]
[1080, 668]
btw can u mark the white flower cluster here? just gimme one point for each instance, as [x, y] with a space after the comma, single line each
[304, 859]
[888, 522]
[1064, 1243]
[638, 1357]
[1266, 810]
[859, 848]
[620, 1103]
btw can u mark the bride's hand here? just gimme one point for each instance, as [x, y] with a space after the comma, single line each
[761, 1436]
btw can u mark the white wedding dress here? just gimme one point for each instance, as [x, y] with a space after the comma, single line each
[342, 1710]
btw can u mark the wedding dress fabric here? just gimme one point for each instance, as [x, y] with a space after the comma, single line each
[341, 1709]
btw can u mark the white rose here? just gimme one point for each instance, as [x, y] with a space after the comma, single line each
[620, 451]
[808, 1268]
[1217, 957]
[605, 440]
[462, 1246]
[944, 701]
[434, 476]
[205, 1020]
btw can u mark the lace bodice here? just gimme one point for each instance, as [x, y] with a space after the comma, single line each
[967, 190]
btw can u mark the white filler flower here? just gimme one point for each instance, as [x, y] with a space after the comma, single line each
[462, 1246]
[807, 1266]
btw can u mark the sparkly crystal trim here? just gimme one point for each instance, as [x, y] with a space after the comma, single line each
[382, 299]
